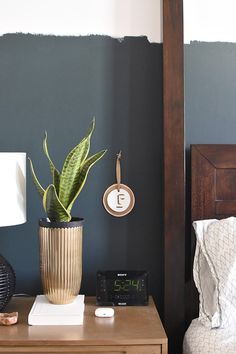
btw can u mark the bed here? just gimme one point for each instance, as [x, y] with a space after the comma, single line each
[212, 308]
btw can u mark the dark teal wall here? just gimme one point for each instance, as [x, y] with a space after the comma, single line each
[58, 84]
[210, 93]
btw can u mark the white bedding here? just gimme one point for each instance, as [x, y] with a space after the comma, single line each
[214, 271]
[201, 340]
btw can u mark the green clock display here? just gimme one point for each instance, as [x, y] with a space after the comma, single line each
[126, 285]
[122, 288]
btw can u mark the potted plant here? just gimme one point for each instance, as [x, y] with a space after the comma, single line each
[60, 235]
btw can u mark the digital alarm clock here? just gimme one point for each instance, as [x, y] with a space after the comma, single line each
[122, 288]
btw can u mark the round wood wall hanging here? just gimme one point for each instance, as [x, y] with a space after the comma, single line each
[118, 199]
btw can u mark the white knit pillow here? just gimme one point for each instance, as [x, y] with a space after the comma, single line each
[215, 271]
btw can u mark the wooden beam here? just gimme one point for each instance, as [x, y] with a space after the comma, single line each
[174, 174]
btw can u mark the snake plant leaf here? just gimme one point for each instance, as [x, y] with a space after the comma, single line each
[38, 186]
[82, 176]
[71, 167]
[53, 207]
[54, 171]
[89, 132]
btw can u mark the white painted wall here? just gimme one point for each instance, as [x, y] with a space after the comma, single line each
[210, 20]
[115, 18]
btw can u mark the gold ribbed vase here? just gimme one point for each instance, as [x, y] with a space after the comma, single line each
[61, 259]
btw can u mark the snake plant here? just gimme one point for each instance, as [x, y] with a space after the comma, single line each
[59, 197]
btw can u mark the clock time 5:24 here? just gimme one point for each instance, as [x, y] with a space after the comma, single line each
[127, 285]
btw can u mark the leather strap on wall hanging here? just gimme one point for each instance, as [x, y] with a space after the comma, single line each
[118, 199]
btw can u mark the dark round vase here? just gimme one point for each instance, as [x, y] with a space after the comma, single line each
[7, 282]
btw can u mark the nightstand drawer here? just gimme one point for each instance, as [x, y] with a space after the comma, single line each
[129, 349]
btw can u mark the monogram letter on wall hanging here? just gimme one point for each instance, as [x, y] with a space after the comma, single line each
[118, 199]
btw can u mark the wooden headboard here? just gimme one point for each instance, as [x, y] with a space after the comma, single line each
[213, 192]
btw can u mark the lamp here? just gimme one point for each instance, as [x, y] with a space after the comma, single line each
[12, 211]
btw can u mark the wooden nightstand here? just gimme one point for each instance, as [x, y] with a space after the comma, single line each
[133, 330]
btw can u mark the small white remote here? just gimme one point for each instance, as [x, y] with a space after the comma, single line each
[104, 312]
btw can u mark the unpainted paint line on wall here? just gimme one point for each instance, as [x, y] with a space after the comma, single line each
[115, 18]
[209, 21]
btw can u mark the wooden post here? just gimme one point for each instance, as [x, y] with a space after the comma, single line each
[174, 174]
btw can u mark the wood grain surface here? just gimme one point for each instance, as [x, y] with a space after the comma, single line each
[133, 329]
[174, 174]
